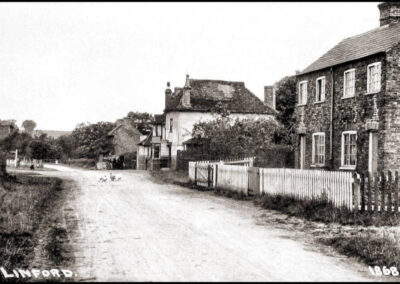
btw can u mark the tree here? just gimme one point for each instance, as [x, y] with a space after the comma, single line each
[90, 140]
[141, 120]
[285, 104]
[232, 138]
[29, 126]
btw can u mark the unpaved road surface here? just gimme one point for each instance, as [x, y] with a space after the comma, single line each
[139, 230]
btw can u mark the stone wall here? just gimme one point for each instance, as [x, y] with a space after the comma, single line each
[349, 113]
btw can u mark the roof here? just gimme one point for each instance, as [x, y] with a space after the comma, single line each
[196, 141]
[375, 41]
[146, 141]
[9, 122]
[209, 95]
[130, 129]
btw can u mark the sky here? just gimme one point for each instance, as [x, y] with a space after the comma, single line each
[66, 63]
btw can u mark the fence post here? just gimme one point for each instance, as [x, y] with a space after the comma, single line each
[389, 191]
[208, 176]
[356, 191]
[362, 191]
[396, 191]
[195, 173]
[383, 185]
[216, 175]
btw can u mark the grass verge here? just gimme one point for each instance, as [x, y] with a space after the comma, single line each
[27, 204]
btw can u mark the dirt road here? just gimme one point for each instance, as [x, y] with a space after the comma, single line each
[139, 230]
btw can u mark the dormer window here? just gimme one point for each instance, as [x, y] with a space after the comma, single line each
[320, 90]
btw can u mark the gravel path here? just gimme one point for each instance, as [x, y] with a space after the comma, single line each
[138, 230]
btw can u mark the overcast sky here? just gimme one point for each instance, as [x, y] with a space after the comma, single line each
[66, 63]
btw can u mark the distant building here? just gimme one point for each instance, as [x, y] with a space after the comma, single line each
[125, 137]
[202, 100]
[348, 102]
[7, 127]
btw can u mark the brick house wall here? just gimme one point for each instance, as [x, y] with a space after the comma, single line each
[348, 113]
[391, 114]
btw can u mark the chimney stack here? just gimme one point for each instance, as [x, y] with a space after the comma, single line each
[168, 93]
[269, 96]
[185, 101]
[389, 13]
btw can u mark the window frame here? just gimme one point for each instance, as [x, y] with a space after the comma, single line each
[302, 102]
[343, 166]
[171, 120]
[379, 63]
[313, 150]
[345, 96]
[318, 92]
[154, 150]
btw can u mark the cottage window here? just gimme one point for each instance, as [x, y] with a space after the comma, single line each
[349, 149]
[156, 151]
[349, 83]
[320, 90]
[303, 93]
[374, 78]
[318, 149]
[170, 125]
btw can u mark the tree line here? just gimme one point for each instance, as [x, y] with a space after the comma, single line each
[87, 140]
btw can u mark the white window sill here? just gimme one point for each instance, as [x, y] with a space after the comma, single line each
[349, 97]
[348, 168]
[319, 102]
[318, 166]
[373, 93]
[302, 104]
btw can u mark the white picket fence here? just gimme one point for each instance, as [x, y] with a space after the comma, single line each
[335, 186]
[235, 178]
[309, 184]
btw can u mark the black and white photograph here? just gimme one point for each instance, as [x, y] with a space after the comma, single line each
[199, 141]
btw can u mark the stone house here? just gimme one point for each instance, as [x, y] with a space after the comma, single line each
[205, 100]
[125, 138]
[348, 102]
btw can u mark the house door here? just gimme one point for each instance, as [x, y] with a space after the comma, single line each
[302, 151]
[372, 153]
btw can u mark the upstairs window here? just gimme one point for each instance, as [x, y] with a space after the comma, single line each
[349, 149]
[374, 78]
[303, 93]
[349, 83]
[318, 149]
[170, 124]
[320, 90]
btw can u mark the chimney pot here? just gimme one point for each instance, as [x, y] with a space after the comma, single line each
[389, 13]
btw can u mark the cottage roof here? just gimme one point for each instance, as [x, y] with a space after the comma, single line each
[146, 141]
[209, 95]
[130, 129]
[196, 141]
[372, 42]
